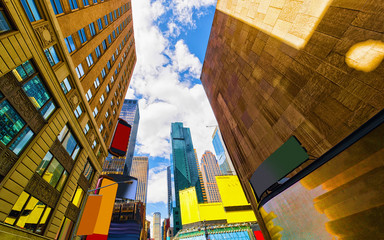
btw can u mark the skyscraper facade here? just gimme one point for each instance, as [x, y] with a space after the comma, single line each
[185, 168]
[295, 82]
[139, 170]
[122, 165]
[169, 191]
[222, 155]
[65, 68]
[210, 169]
[157, 226]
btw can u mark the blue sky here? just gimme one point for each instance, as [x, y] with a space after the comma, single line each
[171, 39]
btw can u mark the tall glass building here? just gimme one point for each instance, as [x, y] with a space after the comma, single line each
[223, 158]
[139, 170]
[185, 168]
[122, 165]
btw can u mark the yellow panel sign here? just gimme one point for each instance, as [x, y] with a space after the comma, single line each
[212, 211]
[240, 216]
[189, 206]
[231, 192]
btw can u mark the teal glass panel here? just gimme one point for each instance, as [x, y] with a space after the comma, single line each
[36, 92]
[10, 122]
[48, 109]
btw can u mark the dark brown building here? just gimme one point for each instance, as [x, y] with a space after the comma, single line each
[277, 69]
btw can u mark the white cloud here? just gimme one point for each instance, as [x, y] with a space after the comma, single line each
[157, 185]
[183, 9]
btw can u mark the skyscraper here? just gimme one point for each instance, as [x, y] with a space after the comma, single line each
[139, 170]
[184, 166]
[157, 226]
[120, 165]
[295, 88]
[169, 190]
[222, 155]
[210, 169]
[65, 67]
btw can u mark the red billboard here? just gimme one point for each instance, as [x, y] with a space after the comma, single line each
[120, 139]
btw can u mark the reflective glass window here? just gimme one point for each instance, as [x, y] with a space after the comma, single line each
[73, 4]
[70, 44]
[80, 71]
[52, 56]
[78, 196]
[88, 171]
[106, 20]
[85, 3]
[89, 60]
[56, 5]
[99, 24]
[82, 36]
[97, 50]
[5, 25]
[92, 29]
[31, 10]
[66, 85]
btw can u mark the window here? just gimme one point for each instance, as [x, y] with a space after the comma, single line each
[107, 88]
[94, 1]
[69, 142]
[56, 5]
[70, 44]
[86, 129]
[89, 60]
[117, 102]
[106, 114]
[88, 171]
[14, 132]
[52, 57]
[88, 95]
[96, 83]
[102, 99]
[29, 213]
[5, 25]
[79, 70]
[106, 20]
[114, 112]
[101, 128]
[78, 196]
[113, 57]
[35, 89]
[114, 34]
[66, 228]
[82, 36]
[110, 17]
[85, 3]
[92, 29]
[103, 73]
[78, 111]
[66, 85]
[114, 13]
[104, 43]
[112, 79]
[97, 50]
[94, 144]
[109, 39]
[109, 64]
[95, 112]
[99, 24]
[31, 10]
[73, 4]
[53, 172]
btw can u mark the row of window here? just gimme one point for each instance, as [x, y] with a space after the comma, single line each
[89, 59]
[82, 34]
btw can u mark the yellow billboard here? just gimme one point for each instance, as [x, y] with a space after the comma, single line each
[231, 192]
[189, 206]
